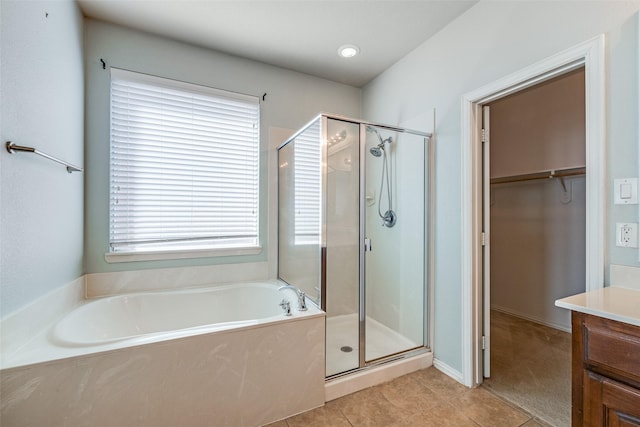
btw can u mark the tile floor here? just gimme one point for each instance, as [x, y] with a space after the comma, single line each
[423, 398]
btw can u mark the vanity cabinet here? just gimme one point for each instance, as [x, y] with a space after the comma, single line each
[605, 372]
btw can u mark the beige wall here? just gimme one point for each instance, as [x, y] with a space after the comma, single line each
[539, 128]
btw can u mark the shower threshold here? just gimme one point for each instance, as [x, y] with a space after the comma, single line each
[379, 373]
[390, 354]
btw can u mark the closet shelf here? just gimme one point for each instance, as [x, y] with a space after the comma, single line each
[553, 173]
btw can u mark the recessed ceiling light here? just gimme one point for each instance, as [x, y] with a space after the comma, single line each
[348, 51]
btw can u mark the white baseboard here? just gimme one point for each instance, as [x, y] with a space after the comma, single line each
[559, 326]
[448, 370]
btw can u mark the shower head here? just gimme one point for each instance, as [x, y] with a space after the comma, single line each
[376, 151]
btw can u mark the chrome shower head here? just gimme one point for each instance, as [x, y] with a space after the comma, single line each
[376, 151]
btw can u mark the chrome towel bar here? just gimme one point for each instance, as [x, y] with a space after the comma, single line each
[11, 148]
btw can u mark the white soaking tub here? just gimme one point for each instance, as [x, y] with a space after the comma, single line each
[223, 355]
[171, 314]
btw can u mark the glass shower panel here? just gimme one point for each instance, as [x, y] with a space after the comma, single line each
[395, 227]
[342, 245]
[300, 211]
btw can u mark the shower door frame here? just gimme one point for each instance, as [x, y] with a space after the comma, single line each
[429, 230]
[428, 240]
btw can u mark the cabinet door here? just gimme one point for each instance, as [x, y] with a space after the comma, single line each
[609, 403]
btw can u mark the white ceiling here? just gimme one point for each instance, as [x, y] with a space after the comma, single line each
[302, 35]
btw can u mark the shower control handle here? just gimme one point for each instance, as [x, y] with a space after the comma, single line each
[367, 245]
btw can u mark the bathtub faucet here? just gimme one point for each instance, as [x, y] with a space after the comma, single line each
[302, 298]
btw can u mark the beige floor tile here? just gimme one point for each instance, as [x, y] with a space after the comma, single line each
[409, 394]
[488, 410]
[282, 423]
[327, 415]
[426, 398]
[536, 423]
[439, 383]
[370, 408]
[440, 415]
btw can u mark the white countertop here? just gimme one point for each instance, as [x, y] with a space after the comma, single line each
[612, 303]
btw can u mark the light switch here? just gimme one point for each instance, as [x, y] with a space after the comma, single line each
[625, 191]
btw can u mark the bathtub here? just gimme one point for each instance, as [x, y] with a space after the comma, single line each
[220, 355]
[145, 316]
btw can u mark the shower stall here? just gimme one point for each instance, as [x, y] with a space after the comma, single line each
[353, 214]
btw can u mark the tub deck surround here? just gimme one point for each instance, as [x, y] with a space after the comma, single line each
[141, 318]
[244, 373]
[176, 313]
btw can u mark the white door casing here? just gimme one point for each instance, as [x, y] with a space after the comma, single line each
[589, 54]
[486, 243]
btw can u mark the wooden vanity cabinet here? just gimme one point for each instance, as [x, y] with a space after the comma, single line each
[605, 372]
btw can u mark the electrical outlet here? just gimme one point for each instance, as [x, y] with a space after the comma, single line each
[627, 234]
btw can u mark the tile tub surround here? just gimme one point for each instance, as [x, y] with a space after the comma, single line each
[244, 377]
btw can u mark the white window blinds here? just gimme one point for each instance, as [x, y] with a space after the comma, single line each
[307, 169]
[184, 166]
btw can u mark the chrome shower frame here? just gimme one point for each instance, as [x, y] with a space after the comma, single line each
[428, 238]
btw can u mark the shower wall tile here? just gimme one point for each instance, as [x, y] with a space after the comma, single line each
[236, 378]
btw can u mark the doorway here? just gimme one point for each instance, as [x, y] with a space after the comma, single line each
[534, 253]
[589, 55]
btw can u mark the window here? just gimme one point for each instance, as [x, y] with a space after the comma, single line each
[184, 166]
[307, 197]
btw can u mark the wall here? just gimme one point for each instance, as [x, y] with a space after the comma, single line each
[537, 248]
[489, 41]
[41, 88]
[539, 128]
[292, 100]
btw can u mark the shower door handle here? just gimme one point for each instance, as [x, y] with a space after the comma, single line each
[367, 244]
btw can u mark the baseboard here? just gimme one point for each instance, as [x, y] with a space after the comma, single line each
[561, 327]
[448, 370]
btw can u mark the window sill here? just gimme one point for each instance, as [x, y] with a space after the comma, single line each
[116, 257]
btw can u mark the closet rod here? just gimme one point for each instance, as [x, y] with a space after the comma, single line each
[11, 148]
[553, 173]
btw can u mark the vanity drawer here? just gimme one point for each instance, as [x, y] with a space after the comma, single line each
[612, 346]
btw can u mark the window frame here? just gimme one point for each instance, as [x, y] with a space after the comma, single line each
[169, 253]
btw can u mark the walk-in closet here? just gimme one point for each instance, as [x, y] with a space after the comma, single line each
[536, 205]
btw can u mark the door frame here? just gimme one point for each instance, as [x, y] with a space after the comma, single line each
[589, 54]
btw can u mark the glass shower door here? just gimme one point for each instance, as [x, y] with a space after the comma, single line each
[395, 242]
[342, 246]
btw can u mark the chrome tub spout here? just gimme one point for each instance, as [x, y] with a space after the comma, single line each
[302, 298]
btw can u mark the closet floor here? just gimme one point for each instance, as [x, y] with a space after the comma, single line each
[531, 367]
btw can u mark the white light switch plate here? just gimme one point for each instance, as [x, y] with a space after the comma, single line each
[625, 191]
